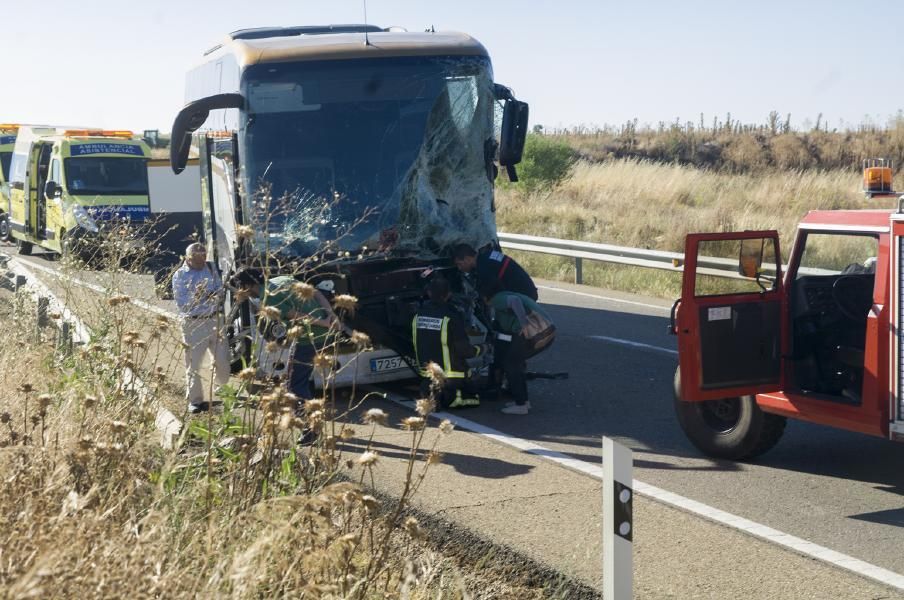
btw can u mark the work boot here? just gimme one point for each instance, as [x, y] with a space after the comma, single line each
[516, 409]
[462, 402]
[198, 407]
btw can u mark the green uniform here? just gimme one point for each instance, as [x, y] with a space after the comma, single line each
[505, 316]
[279, 294]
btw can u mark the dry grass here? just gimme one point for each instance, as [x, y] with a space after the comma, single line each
[94, 507]
[649, 205]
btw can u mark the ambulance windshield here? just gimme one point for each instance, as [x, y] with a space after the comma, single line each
[106, 176]
[389, 154]
[5, 159]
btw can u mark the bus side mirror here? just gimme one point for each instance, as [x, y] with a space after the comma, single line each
[190, 119]
[52, 190]
[514, 130]
[513, 135]
[750, 261]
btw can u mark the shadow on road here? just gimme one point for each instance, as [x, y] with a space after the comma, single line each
[465, 464]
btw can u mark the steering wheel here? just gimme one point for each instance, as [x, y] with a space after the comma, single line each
[852, 298]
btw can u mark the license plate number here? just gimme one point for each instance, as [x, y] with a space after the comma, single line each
[389, 363]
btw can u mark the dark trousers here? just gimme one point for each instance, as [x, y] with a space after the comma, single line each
[300, 371]
[511, 358]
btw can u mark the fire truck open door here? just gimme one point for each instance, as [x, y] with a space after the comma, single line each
[730, 318]
[896, 408]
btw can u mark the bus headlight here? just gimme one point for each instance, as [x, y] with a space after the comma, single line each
[84, 220]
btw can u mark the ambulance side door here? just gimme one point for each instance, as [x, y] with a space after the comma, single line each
[730, 318]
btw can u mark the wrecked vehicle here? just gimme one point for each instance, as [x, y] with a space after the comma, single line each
[353, 157]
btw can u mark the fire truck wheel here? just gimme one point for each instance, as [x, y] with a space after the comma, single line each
[729, 428]
[4, 228]
[23, 248]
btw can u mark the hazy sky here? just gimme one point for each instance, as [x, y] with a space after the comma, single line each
[122, 63]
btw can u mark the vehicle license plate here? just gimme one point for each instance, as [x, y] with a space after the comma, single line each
[389, 363]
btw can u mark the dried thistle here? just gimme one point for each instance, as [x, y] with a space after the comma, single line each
[118, 299]
[323, 361]
[413, 423]
[370, 503]
[44, 401]
[446, 426]
[346, 302]
[244, 232]
[375, 416]
[295, 332]
[360, 339]
[436, 373]
[347, 433]
[368, 458]
[270, 313]
[434, 457]
[305, 291]
[425, 406]
[314, 404]
[26, 387]
[247, 374]
[414, 529]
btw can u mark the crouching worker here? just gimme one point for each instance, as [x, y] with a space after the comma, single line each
[439, 336]
[298, 304]
[522, 330]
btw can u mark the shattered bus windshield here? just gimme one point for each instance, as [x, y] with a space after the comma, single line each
[380, 154]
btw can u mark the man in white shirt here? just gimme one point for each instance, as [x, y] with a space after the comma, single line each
[198, 293]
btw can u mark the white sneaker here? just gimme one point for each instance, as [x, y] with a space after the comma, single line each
[516, 409]
[513, 403]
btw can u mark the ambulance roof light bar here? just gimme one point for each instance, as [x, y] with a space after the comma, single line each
[115, 133]
[9, 127]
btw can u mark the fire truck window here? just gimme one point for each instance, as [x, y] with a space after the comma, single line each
[716, 258]
[837, 254]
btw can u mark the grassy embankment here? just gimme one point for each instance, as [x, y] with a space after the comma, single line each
[638, 203]
[93, 506]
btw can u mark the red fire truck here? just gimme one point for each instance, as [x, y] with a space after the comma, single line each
[817, 339]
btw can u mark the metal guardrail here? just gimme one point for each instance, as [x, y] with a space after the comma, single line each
[635, 257]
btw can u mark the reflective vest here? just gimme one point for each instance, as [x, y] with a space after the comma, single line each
[438, 335]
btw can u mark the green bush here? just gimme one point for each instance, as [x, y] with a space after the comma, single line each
[546, 161]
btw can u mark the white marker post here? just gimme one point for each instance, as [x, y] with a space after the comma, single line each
[618, 524]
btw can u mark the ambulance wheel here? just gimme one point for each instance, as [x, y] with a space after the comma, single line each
[23, 248]
[4, 228]
[728, 428]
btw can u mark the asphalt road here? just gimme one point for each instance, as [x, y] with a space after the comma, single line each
[837, 489]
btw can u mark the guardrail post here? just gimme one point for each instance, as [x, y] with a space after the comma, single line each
[578, 270]
[618, 523]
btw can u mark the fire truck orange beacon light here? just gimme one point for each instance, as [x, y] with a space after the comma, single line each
[877, 177]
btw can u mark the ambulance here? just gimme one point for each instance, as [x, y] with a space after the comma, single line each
[7, 142]
[819, 339]
[67, 185]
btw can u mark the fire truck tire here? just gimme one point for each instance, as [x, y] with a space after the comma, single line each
[4, 227]
[730, 428]
[23, 248]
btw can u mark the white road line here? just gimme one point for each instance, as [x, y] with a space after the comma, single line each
[607, 298]
[167, 424]
[796, 544]
[102, 290]
[606, 338]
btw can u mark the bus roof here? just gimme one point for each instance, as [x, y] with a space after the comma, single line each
[299, 44]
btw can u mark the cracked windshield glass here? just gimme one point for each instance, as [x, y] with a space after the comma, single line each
[383, 155]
